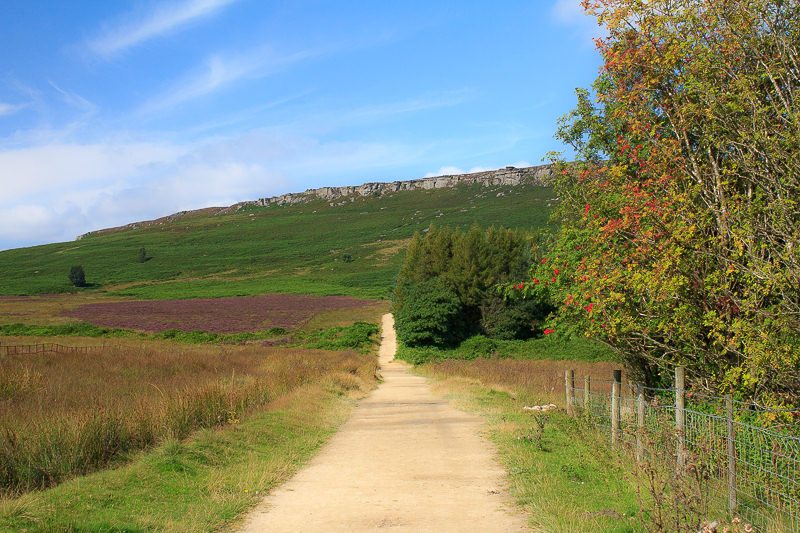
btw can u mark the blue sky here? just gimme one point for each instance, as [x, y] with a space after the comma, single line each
[113, 112]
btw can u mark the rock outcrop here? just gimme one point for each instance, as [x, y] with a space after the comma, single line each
[505, 176]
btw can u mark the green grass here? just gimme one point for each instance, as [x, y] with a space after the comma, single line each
[290, 249]
[357, 336]
[574, 349]
[203, 483]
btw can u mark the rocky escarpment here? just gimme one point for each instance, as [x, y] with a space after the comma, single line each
[506, 176]
[537, 175]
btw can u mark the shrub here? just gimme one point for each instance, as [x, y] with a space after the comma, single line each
[509, 320]
[431, 315]
[77, 277]
[141, 256]
[477, 346]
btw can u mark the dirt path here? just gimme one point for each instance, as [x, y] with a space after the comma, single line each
[404, 461]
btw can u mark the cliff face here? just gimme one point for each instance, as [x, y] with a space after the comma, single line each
[505, 176]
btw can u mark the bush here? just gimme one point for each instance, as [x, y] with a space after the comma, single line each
[431, 314]
[477, 346]
[141, 256]
[77, 277]
[509, 320]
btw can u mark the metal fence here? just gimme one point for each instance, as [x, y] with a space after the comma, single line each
[47, 347]
[750, 452]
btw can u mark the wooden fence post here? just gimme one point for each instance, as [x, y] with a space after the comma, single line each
[731, 454]
[680, 417]
[639, 423]
[569, 386]
[587, 387]
[615, 414]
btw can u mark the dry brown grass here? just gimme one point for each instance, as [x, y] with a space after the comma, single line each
[46, 309]
[538, 379]
[68, 414]
[387, 250]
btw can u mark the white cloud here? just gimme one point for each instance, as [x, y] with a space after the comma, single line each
[446, 171]
[56, 192]
[129, 33]
[61, 167]
[8, 109]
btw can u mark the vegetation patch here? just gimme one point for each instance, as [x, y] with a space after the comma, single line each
[217, 315]
[203, 483]
[479, 346]
[69, 414]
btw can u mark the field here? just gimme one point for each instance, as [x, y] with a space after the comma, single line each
[218, 315]
[354, 249]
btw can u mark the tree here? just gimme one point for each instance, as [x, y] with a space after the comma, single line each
[77, 277]
[432, 315]
[471, 264]
[141, 256]
[678, 240]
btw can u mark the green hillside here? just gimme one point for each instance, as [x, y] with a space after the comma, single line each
[312, 248]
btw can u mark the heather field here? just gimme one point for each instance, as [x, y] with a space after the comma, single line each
[218, 315]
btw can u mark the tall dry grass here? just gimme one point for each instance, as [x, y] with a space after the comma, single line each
[68, 414]
[538, 379]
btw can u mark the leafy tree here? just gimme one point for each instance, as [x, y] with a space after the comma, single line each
[77, 277]
[678, 240]
[432, 315]
[470, 264]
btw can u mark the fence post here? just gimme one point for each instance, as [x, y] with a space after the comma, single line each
[615, 388]
[731, 454]
[639, 423]
[569, 386]
[680, 416]
[587, 385]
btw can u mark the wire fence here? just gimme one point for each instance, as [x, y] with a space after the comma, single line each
[47, 347]
[751, 453]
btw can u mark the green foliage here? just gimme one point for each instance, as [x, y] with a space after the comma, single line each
[77, 276]
[471, 264]
[477, 346]
[548, 347]
[679, 238]
[277, 249]
[359, 336]
[85, 329]
[514, 318]
[431, 314]
[347, 258]
[141, 255]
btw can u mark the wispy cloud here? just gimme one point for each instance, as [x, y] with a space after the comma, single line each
[75, 100]
[137, 28]
[8, 109]
[220, 71]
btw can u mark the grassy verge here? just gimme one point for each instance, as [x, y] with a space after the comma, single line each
[203, 483]
[560, 469]
[574, 349]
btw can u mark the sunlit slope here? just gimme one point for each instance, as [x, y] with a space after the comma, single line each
[312, 248]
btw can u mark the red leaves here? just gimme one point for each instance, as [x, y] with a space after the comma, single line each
[549, 331]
